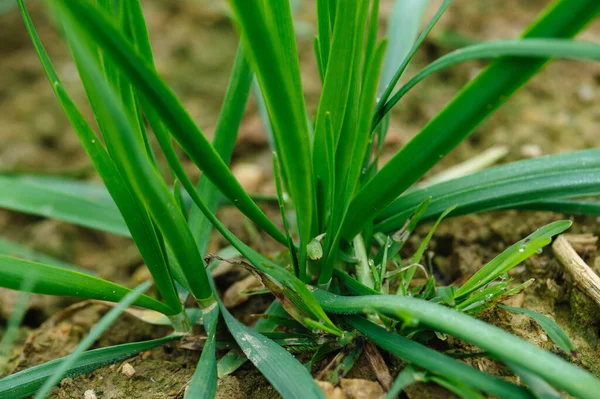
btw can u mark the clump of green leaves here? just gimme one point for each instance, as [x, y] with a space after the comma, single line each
[351, 218]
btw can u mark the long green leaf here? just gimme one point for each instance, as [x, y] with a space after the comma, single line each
[571, 207]
[456, 386]
[434, 361]
[26, 383]
[457, 120]
[234, 359]
[355, 131]
[332, 104]
[105, 322]
[295, 289]
[323, 36]
[526, 48]
[136, 217]
[93, 23]
[388, 79]
[416, 258]
[14, 249]
[204, 381]
[512, 256]
[89, 190]
[287, 375]
[405, 378]
[402, 32]
[224, 139]
[556, 334]
[492, 339]
[17, 314]
[540, 388]
[51, 280]
[136, 166]
[27, 197]
[267, 33]
[501, 187]
[403, 36]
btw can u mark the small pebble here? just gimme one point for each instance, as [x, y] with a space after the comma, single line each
[89, 394]
[127, 370]
[586, 93]
[531, 151]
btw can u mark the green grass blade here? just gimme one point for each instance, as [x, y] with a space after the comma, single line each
[355, 130]
[204, 381]
[526, 48]
[405, 34]
[299, 271]
[416, 258]
[402, 32]
[12, 248]
[224, 139]
[93, 23]
[295, 290]
[89, 190]
[287, 375]
[119, 13]
[27, 382]
[540, 388]
[27, 197]
[323, 35]
[371, 40]
[434, 361]
[570, 207]
[456, 121]
[272, 54]
[136, 217]
[400, 237]
[556, 334]
[137, 30]
[359, 102]
[457, 387]
[405, 378]
[497, 342]
[367, 102]
[501, 187]
[512, 256]
[235, 359]
[333, 102]
[137, 167]
[105, 322]
[14, 323]
[51, 280]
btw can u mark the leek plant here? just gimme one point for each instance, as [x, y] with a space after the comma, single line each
[344, 218]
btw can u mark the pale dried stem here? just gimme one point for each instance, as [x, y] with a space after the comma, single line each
[583, 276]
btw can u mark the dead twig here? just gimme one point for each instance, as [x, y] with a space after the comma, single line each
[583, 276]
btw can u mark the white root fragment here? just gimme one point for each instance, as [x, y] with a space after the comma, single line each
[583, 276]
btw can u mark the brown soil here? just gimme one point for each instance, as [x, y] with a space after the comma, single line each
[194, 46]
